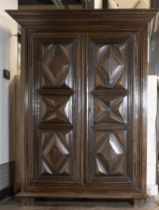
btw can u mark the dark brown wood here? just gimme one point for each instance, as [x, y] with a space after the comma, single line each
[154, 4]
[83, 103]
[89, 4]
[105, 4]
[56, 78]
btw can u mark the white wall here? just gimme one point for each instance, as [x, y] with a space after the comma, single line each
[4, 87]
[129, 3]
[8, 60]
[152, 187]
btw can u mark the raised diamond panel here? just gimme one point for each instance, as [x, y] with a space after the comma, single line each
[56, 65]
[110, 70]
[110, 153]
[56, 156]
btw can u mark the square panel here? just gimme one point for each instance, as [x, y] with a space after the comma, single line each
[110, 108]
[56, 109]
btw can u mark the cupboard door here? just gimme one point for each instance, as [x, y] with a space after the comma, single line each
[54, 145]
[113, 116]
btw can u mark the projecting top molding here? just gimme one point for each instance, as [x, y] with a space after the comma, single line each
[87, 19]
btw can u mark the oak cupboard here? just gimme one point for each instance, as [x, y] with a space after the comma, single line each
[82, 106]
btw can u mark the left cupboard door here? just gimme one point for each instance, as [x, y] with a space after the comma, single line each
[54, 140]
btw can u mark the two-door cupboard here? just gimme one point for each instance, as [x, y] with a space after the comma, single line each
[82, 108]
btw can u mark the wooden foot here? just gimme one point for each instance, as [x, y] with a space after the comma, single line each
[24, 201]
[27, 201]
[139, 203]
[31, 201]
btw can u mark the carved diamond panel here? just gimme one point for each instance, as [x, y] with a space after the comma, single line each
[110, 71]
[56, 65]
[55, 149]
[108, 109]
[56, 109]
[110, 158]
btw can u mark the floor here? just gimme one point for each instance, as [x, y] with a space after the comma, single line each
[72, 205]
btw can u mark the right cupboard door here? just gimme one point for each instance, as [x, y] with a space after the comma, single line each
[113, 155]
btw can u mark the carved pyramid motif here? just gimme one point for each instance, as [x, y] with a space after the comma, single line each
[110, 109]
[54, 109]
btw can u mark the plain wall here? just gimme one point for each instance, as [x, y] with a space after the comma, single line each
[4, 94]
[8, 60]
[128, 3]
